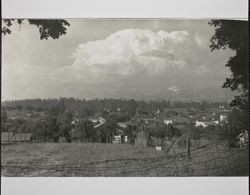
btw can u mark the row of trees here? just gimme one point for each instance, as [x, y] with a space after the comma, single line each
[58, 123]
[90, 107]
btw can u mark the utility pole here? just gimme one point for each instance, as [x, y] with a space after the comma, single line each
[188, 148]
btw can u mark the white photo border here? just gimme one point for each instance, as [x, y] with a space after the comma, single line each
[175, 9]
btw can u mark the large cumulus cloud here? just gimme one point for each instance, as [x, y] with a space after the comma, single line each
[125, 54]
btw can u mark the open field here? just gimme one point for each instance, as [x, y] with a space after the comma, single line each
[82, 159]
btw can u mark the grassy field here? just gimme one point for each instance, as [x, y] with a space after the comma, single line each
[93, 159]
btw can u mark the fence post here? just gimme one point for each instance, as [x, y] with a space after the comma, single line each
[188, 148]
[228, 141]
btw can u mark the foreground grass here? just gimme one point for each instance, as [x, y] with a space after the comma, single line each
[63, 153]
[93, 159]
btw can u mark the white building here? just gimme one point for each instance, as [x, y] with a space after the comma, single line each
[216, 122]
[200, 124]
[168, 122]
[243, 138]
[74, 121]
[221, 107]
[223, 118]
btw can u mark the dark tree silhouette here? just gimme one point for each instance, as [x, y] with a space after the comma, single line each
[4, 118]
[47, 28]
[52, 129]
[109, 130]
[64, 123]
[233, 34]
[86, 130]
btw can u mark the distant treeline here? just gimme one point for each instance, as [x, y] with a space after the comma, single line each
[110, 105]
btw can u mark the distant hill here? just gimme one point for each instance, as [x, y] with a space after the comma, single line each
[176, 94]
[212, 94]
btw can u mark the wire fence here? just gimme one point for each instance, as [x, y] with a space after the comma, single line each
[213, 159]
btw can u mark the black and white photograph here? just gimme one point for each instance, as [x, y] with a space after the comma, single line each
[116, 97]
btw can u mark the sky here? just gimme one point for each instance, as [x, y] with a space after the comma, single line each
[103, 58]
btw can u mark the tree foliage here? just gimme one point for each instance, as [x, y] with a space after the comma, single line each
[51, 129]
[233, 34]
[161, 130]
[47, 28]
[4, 115]
[86, 130]
[108, 130]
[64, 123]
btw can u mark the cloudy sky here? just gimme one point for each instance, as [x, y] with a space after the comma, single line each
[111, 58]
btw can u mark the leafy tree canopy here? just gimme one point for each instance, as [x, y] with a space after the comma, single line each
[234, 35]
[47, 28]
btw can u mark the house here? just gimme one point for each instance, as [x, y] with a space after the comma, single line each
[101, 121]
[200, 124]
[118, 139]
[126, 139]
[223, 118]
[6, 137]
[215, 122]
[21, 137]
[98, 121]
[74, 122]
[243, 138]
[221, 107]
[168, 122]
